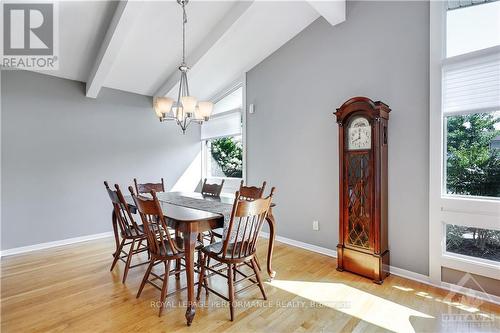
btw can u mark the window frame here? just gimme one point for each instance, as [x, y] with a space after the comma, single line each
[240, 83]
[444, 208]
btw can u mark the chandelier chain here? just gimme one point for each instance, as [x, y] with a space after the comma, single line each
[184, 21]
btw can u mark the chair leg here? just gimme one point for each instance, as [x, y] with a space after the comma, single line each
[231, 289]
[257, 262]
[117, 254]
[202, 280]
[129, 259]
[146, 276]
[257, 275]
[139, 244]
[164, 288]
[177, 269]
[212, 240]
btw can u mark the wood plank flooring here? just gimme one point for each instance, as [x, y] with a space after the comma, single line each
[50, 291]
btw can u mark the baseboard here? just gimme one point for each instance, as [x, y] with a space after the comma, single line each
[410, 275]
[41, 246]
[394, 270]
[302, 245]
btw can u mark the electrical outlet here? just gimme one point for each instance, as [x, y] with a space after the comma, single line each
[316, 225]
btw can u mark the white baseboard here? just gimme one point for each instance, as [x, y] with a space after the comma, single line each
[302, 245]
[394, 270]
[409, 275]
[41, 246]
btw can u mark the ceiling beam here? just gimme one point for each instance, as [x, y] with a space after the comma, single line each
[122, 21]
[207, 43]
[332, 11]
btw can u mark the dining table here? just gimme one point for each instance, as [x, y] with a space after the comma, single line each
[191, 213]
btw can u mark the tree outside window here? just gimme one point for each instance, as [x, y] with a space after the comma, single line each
[227, 157]
[473, 168]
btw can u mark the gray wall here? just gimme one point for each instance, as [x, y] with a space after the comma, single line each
[59, 146]
[381, 52]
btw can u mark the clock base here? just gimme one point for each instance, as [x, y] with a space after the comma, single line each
[371, 265]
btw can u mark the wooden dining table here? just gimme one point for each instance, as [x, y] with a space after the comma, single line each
[190, 222]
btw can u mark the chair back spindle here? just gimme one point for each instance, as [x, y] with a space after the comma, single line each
[247, 217]
[155, 226]
[126, 222]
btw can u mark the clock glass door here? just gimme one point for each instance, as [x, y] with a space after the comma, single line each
[358, 144]
[359, 200]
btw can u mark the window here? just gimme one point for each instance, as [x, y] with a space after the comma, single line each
[222, 137]
[224, 157]
[472, 28]
[473, 154]
[471, 102]
[465, 136]
[474, 242]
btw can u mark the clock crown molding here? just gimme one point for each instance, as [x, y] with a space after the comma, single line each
[365, 105]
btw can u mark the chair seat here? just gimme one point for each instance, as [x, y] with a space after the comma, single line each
[217, 232]
[134, 233]
[179, 242]
[214, 250]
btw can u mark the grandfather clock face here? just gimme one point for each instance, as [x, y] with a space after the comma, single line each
[359, 134]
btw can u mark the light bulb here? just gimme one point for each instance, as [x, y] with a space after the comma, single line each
[162, 105]
[188, 103]
[205, 109]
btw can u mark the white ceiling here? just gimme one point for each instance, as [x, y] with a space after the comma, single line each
[82, 25]
[136, 46]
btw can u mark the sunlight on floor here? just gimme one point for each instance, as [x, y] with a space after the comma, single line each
[457, 305]
[354, 302]
[403, 288]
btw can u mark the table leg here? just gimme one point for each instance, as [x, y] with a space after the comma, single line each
[114, 222]
[272, 234]
[190, 234]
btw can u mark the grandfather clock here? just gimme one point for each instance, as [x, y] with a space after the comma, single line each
[363, 242]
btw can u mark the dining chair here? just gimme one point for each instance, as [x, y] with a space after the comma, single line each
[130, 232]
[211, 190]
[238, 248]
[247, 193]
[147, 187]
[163, 247]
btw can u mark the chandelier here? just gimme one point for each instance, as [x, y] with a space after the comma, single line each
[186, 109]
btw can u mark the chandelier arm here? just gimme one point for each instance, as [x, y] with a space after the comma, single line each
[179, 95]
[187, 84]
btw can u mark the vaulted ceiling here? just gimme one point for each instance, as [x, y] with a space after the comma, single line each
[135, 46]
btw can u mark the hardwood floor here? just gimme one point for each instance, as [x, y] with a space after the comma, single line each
[49, 290]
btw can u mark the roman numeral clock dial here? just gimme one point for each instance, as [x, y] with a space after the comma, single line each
[359, 134]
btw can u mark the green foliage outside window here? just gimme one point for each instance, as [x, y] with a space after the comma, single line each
[228, 153]
[473, 165]
[473, 168]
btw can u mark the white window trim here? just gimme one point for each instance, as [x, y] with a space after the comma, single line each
[449, 209]
[217, 97]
